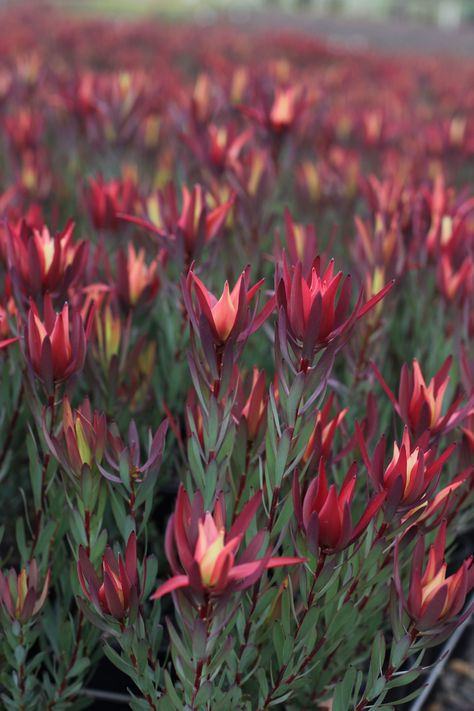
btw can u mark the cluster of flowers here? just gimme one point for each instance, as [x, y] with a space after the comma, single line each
[275, 392]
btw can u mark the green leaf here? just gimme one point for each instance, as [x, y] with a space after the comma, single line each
[36, 469]
[124, 469]
[199, 640]
[281, 699]
[171, 691]
[376, 661]
[399, 651]
[343, 691]
[278, 641]
[282, 456]
[79, 667]
[210, 484]
[204, 694]
[119, 662]
[21, 539]
[294, 398]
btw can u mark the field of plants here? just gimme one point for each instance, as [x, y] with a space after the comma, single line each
[236, 366]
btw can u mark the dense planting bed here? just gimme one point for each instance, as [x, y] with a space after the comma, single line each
[237, 371]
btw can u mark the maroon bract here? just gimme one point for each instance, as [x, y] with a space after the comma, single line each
[321, 438]
[325, 516]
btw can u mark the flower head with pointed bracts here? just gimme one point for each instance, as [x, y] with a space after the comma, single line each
[227, 317]
[316, 308]
[434, 599]
[420, 405]
[21, 595]
[411, 476]
[41, 262]
[206, 560]
[119, 591]
[137, 281]
[325, 515]
[82, 438]
[55, 346]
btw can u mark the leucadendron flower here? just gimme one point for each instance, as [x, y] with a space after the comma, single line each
[81, 440]
[315, 309]
[41, 262]
[55, 345]
[22, 595]
[207, 561]
[412, 475]
[420, 405]
[119, 590]
[137, 281]
[325, 515]
[229, 316]
[434, 598]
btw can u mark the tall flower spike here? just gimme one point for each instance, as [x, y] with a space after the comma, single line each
[206, 553]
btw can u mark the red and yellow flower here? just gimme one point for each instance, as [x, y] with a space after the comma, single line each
[22, 595]
[434, 599]
[206, 552]
[120, 589]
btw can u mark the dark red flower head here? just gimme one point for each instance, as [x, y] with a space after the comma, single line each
[55, 347]
[412, 475]
[21, 595]
[316, 308]
[106, 200]
[325, 515]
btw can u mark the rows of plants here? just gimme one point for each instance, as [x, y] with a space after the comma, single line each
[237, 365]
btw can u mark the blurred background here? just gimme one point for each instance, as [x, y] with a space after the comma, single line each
[443, 27]
[442, 13]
